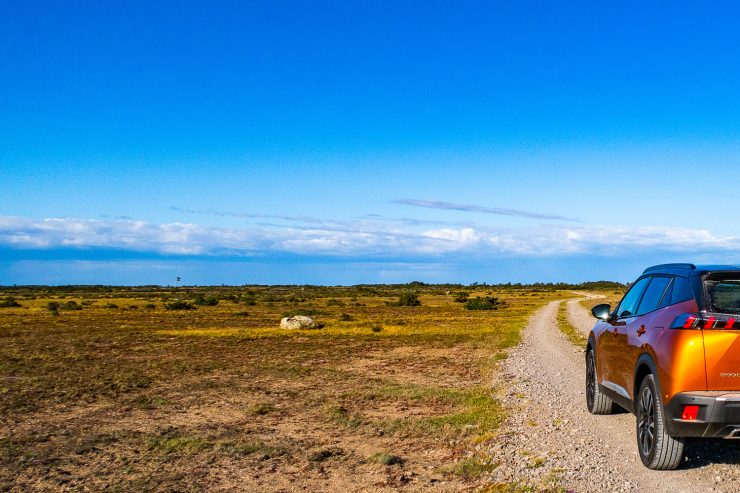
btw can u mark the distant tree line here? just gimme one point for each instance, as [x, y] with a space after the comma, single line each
[251, 293]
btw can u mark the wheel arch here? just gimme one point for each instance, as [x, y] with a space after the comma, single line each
[591, 344]
[644, 367]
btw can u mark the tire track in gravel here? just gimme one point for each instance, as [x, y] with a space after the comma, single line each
[550, 433]
[578, 317]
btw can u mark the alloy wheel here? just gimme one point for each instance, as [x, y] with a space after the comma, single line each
[646, 423]
[590, 380]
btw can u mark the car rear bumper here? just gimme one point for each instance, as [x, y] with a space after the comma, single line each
[718, 417]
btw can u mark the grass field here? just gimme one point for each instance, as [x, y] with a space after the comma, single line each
[611, 297]
[125, 395]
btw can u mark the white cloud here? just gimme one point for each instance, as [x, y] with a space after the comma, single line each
[359, 238]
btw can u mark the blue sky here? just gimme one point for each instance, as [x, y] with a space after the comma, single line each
[348, 142]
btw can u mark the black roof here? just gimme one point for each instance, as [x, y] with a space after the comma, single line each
[686, 270]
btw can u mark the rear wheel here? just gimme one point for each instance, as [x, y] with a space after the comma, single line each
[657, 449]
[596, 402]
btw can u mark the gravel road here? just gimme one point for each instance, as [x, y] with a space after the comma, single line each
[578, 317]
[551, 438]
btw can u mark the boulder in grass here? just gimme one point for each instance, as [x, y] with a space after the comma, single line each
[298, 322]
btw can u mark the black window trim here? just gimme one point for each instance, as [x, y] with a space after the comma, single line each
[668, 292]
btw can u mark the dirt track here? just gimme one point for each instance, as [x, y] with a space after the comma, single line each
[554, 437]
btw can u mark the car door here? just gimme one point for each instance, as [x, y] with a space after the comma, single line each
[639, 327]
[613, 341]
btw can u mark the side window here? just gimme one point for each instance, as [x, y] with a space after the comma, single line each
[653, 294]
[667, 296]
[681, 290]
[628, 306]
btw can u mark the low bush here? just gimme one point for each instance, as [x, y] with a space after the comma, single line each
[461, 297]
[386, 459]
[179, 305]
[70, 305]
[202, 300]
[9, 302]
[485, 303]
[407, 298]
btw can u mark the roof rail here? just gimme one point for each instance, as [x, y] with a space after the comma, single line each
[670, 266]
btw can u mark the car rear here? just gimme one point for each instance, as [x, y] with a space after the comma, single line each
[714, 412]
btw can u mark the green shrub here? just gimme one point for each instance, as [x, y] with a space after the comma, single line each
[408, 298]
[179, 305]
[52, 306]
[112, 306]
[345, 317]
[70, 305]
[461, 297]
[485, 303]
[202, 300]
[386, 459]
[9, 302]
[150, 306]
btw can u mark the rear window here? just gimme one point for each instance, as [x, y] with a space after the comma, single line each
[723, 296]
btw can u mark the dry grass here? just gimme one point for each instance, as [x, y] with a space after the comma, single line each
[219, 398]
[611, 297]
[571, 333]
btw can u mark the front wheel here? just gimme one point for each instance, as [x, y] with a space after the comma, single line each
[596, 402]
[657, 449]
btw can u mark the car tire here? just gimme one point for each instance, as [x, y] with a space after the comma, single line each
[657, 449]
[596, 401]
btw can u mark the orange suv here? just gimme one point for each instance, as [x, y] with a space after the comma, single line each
[670, 354]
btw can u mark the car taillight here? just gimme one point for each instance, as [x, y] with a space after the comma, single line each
[690, 412]
[695, 321]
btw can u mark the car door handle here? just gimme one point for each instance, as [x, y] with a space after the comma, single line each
[641, 330]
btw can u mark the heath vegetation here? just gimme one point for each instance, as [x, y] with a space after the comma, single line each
[394, 391]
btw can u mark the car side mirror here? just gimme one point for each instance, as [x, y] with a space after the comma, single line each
[602, 311]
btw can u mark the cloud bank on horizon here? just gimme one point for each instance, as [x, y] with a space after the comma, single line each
[362, 238]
